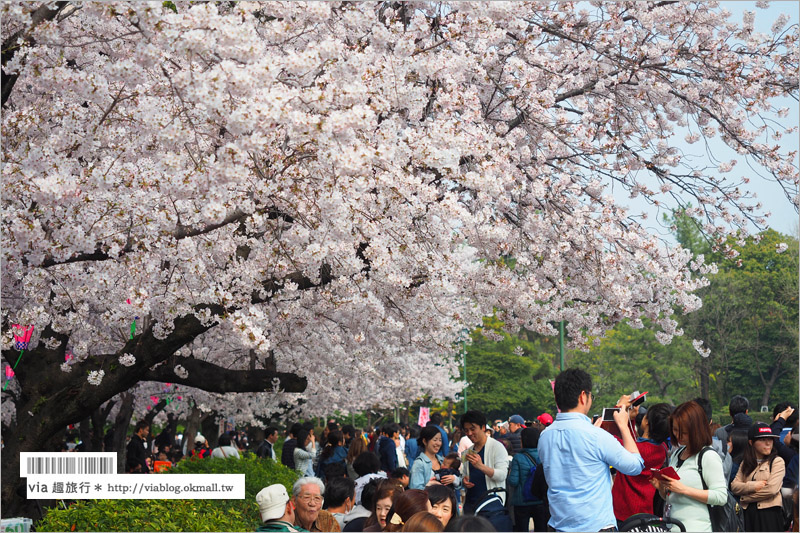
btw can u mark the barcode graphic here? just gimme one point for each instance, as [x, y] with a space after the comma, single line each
[37, 464]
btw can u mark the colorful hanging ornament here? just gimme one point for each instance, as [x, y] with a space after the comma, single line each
[133, 324]
[21, 341]
[22, 338]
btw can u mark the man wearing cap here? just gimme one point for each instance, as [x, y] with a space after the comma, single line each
[307, 498]
[201, 448]
[277, 510]
[545, 419]
[514, 436]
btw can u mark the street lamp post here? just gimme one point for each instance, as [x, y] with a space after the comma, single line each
[464, 331]
[561, 343]
[464, 363]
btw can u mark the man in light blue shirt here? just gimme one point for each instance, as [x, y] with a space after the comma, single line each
[576, 456]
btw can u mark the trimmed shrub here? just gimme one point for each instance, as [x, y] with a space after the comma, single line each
[178, 515]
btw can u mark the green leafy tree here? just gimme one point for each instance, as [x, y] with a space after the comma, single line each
[508, 374]
[749, 319]
[629, 359]
[749, 316]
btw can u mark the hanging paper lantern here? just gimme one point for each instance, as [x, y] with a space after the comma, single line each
[9, 372]
[67, 356]
[22, 338]
[154, 399]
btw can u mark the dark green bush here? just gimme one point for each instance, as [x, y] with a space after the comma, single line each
[178, 515]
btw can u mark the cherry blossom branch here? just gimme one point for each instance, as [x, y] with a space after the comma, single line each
[10, 45]
[213, 378]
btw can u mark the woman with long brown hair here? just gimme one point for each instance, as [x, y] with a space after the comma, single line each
[387, 493]
[686, 499]
[357, 447]
[759, 479]
[406, 505]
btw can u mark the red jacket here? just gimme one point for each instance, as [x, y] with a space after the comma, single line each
[634, 494]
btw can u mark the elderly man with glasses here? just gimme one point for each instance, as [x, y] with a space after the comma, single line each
[307, 495]
[576, 457]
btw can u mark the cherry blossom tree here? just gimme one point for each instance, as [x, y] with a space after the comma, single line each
[318, 197]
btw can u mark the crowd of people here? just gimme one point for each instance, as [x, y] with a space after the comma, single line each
[569, 473]
[671, 464]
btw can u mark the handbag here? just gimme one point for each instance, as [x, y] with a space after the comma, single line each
[727, 517]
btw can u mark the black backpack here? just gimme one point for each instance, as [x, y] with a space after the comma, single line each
[727, 517]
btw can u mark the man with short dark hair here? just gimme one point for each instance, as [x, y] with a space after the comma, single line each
[576, 457]
[340, 497]
[484, 466]
[387, 449]
[739, 409]
[401, 474]
[267, 447]
[348, 432]
[287, 454]
[136, 454]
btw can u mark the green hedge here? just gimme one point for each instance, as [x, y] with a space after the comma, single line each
[178, 515]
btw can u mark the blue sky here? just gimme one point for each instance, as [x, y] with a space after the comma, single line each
[784, 216]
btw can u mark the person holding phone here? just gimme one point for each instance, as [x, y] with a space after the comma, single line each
[576, 457]
[484, 467]
[685, 498]
[634, 494]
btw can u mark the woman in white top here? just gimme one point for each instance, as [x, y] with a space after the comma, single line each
[305, 452]
[224, 448]
[686, 500]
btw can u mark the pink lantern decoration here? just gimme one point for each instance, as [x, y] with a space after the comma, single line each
[9, 372]
[22, 338]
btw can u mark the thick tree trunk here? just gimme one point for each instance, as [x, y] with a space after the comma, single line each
[210, 430]
[704, 385]
[191, 431]
[121, 423]
[768, 386]
[99, 417]
[85, 434]
[50, 399]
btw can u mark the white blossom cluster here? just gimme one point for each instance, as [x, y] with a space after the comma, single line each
[345, 189]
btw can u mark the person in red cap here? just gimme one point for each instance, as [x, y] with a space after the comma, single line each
[545, 419]
[759, 479]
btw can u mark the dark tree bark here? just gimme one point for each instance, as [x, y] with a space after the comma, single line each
[85, 433]
[121, 423]
[50, 399]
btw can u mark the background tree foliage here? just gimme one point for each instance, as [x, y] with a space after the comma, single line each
[629, 359]
[749, 322]
[509, 374]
